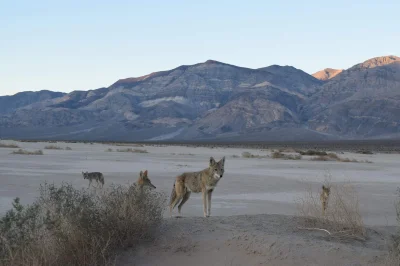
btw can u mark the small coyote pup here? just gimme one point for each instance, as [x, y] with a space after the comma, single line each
[203, 181]
[324, 197]
[144, 180]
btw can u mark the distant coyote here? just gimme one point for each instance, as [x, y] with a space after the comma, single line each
[144, 180]
[203, 181]
[324, 197]
[94, 176]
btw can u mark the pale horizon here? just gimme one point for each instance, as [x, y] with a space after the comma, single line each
[85, 46]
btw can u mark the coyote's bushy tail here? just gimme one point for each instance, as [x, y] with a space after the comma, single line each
[173, 195]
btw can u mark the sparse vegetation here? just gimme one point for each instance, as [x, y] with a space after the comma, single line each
[66, 226]
[109, 150]
[342, 218]
[280, 155]
[247, 154]
[312, 153]
[132, 150]
[68, 148]
[335, 157]
[364, 152]
[52, 147]
[4, 145]
[25, 152]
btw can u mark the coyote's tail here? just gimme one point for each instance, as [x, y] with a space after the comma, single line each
[173, 195]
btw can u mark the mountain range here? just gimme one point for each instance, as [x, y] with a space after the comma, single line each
[218, 101]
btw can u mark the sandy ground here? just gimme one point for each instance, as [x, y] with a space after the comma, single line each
[251, 187]
[253, 240]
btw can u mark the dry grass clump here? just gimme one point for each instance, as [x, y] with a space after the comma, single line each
[52, 147]
[25, 152]
[66, 226]
[132, 150]
[5, 145]
[109, 150]
[68, 148]
[364, 152]
[341, 219]
[247, 154]
[337, 158]
[280, 155]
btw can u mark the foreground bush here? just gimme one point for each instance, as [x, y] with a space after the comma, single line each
[66, 226]
[393, 258]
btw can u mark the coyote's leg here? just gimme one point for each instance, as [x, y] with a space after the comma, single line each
[205, 202]
[209, 201]
[174, 202]
[184, 199]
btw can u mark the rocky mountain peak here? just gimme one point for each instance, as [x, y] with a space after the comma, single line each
[327, 73]
[377, 61]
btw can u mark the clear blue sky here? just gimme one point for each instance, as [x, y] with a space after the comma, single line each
[82, 45]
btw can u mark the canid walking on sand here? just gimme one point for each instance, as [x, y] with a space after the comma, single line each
[144, 180]
[94, 176]
[203, 181]
[324, 197]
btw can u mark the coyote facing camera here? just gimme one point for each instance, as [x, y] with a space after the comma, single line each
[203, 181]
[144, 180]
[94, 176]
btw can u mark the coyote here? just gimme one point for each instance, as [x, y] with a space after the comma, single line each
[324, 198]
[203, 181]
[94, 176]
[144, 180]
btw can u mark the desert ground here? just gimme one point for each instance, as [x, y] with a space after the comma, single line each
[253, 207]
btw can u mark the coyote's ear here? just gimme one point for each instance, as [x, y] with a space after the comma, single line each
[145, 173]
[323, 187]
[141, 173]
[212, 161]
[222, 161]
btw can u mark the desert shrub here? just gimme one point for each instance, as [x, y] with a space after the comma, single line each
[25, 152]
[67, 226]
[247, 154]
[342, 218]
[5, 145]
[312, 153]
[132, 150]
[280, 155]
[68, 148]
[128, 144]
[52, 147]
[109, 150]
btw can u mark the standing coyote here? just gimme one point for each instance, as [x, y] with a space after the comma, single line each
[94, 176]
[144, 180]
[324, 198]
[203, 181]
